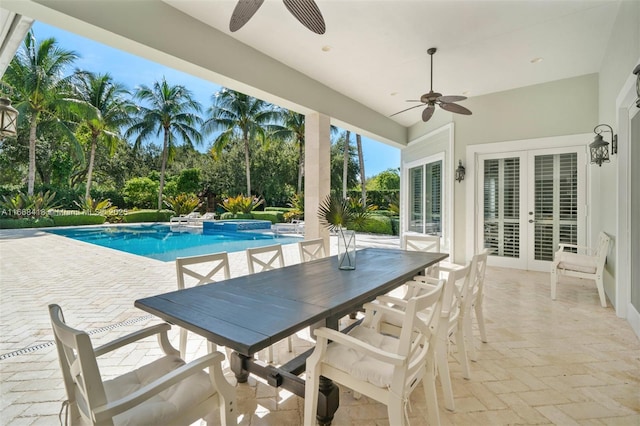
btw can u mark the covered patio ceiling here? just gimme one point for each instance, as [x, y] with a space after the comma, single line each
[371, 59]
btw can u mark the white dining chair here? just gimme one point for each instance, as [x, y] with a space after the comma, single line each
[585, 263]
[425, 243]
[471, 303]
[311, 249]
[167, 391]
[456, 281]
[261, 259]
[197, 270]
[384, 367]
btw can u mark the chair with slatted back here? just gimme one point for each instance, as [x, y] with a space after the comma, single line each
[198, 270]
[167, 391]
[262, 259]
[311, 249]
[385, 367]
[471, 303]
[585, 263]
[426, 243]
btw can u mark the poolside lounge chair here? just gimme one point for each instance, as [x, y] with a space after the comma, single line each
[184, 219]
[293, 227]
[200, 219]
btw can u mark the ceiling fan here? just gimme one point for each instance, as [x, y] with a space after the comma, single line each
[432, 99]
[305, 11]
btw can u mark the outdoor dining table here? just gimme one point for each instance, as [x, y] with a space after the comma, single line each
[252, 312]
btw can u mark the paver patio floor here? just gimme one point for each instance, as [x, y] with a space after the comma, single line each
[563, 362]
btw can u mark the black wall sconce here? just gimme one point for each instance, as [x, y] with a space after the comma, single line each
[8, 118]
[599, 148]
[460, 171]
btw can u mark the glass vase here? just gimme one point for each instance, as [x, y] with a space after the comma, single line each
[346, 250]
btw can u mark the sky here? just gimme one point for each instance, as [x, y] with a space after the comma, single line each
[133, 71]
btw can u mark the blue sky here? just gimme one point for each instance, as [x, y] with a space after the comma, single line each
[134, 71]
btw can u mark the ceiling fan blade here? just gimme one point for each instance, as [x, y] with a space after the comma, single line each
[428, 112]
[458, 109]
[243, 11]
[400, 112]
[308, 13]
[449, 99]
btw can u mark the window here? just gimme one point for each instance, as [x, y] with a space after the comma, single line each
[425, 198]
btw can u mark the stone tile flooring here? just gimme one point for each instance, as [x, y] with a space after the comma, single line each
[565, 362]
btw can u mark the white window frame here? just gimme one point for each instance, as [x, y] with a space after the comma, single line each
[446, 209]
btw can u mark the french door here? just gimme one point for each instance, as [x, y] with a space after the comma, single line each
[530, 202]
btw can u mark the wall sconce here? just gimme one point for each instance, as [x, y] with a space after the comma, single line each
[460, 171]
[599, 148]
[8, 118]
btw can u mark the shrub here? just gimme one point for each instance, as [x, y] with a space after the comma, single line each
[148, 216]
[89, 206]
[79, 219]
[182, 203]
[274, 217]
[26, 222]
[241, 204]
[229, 215]
[141, 192]
[278, 209]
[23, 205]
[376, 224]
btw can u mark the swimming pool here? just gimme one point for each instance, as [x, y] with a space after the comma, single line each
[165, 243]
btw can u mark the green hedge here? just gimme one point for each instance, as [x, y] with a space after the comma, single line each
[278, 209]
[229, 215]
[148, 216]
[273, 216]
[79, 219]
[377, 224]
[42, 222]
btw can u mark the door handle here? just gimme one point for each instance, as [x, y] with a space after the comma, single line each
[531, 220]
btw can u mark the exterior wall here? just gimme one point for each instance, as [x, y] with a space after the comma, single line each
[623, 52]
[558, 108]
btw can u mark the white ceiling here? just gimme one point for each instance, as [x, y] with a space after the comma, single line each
[378, 48]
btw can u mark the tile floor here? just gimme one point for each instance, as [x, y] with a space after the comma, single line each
[562, 362]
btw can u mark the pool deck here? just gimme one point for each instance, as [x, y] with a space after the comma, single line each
[563, 362]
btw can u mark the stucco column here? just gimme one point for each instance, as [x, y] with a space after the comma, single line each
[317, 173]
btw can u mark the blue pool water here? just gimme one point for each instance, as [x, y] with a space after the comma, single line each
[162, 243]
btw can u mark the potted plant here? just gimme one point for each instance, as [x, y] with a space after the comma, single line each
[335, 214]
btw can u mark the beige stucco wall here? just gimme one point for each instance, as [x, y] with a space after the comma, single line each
[562, 107]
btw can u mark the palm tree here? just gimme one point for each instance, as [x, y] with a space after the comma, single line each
[361, 163]
[35, 76]
[345, 163]
[109, 111]
[170, 113]
[239, 116]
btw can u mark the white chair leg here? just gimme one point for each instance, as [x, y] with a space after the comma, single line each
[462, 349]
[600, 285]
[395, 411]
[429, 386]
[480, 318]
[554, 280]
[442, 362]
[183, 343]
[311, 397]
[290, 344]
[468, 336]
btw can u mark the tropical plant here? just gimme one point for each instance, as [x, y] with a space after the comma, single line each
[182, 203]
[296, 202]
[241, 204]
[239, 116]
[40, 91]
[107, 112]
[24, 205]
[90, 206]
[394, 203]
[361, 213]
[335, 212]
[170, 113]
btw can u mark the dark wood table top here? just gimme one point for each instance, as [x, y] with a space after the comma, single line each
[252, 312]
